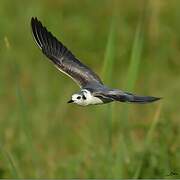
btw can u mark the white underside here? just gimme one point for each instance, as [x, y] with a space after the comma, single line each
[94, 100]
[91, 100]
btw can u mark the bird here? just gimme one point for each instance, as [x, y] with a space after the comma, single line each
[92, 90]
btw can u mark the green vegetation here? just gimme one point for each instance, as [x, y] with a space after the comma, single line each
[134, 46]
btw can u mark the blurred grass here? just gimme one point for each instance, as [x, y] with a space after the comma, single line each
[126, 146]
[45, 137]
[107, 75]
[28, 143]
[147, 142]
[9, 162]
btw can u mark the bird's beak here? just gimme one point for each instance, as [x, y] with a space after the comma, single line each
[70, 101]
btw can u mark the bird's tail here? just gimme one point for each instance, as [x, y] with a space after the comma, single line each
[128, 97]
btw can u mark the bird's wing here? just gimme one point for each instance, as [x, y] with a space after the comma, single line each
[108, 94]
[62, 58]
[118, 95]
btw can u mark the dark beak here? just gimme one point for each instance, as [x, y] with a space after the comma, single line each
[70, 101]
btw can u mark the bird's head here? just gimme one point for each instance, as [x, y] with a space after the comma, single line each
[79, 98]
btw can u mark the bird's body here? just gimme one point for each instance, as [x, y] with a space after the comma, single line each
[93, 91]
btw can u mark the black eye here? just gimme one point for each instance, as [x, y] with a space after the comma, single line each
[84, 97]
[79, 97]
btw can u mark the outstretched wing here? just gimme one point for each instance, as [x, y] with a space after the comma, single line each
[63, 59]
[118, 95]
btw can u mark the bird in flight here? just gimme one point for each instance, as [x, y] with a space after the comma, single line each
[93, 91]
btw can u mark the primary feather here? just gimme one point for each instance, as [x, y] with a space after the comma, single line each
[63, 59]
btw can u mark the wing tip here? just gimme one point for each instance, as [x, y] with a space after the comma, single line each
[46, 41]
[34, 20]
[34, 24]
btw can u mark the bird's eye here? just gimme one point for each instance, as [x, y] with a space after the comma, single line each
[79, 97]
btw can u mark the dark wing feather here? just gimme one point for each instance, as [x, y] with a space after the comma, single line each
[108, 94]
[118, 95]
[63, 59]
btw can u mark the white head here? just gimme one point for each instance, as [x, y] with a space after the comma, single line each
[84, 98]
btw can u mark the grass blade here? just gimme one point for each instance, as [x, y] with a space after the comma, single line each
[132, 76]
[11, 163]
[108, 68]
[148, 140]
[123, 155]
[109, 55]
[135, 59]
[24, 122]
[107, 77]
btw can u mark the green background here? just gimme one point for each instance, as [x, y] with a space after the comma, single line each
[133, 45]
